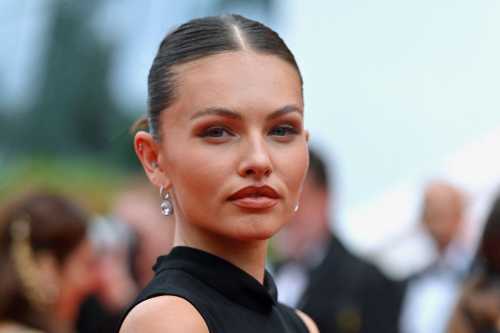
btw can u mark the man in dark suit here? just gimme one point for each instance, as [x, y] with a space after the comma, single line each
[339, 291]
[433, 292]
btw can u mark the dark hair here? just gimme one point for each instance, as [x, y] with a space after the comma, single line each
[489, 248]
[317, 169]
[52, 224]
[200, 38]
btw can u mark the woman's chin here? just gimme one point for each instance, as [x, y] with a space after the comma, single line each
[257, 233]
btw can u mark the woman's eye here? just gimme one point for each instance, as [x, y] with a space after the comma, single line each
[215, 132]
[283, 131]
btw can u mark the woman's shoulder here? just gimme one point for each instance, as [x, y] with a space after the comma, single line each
[164, 314]
[311, 325]
[7, 327]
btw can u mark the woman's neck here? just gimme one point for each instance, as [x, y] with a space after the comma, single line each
[249, 256]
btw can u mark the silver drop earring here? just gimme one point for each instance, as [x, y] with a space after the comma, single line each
[166, 206]
[297, 205]
[154, 165]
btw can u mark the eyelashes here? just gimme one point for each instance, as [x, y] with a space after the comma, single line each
[284, 130]
[215, 132]
[219, 132]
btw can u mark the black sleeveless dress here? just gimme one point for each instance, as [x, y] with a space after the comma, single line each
[228, 298]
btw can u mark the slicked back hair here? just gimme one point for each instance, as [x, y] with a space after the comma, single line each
[197, 39]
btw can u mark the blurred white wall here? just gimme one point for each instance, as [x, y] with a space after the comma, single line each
[401, 92]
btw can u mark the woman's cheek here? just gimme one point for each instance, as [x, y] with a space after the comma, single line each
[301, 170]
[295, 172]
[197, 178]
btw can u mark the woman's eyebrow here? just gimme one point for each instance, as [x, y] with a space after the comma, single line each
[229, 113]
[217, 111]
[284, 110]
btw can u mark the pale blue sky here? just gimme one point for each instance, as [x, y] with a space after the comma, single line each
[394, 85]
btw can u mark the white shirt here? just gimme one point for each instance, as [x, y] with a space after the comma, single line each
[292, 279]
[431, 297]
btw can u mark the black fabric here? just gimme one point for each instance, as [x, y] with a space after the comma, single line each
[348, 295]
[228, 299]
[93, 317]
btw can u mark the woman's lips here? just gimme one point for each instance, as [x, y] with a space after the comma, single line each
[255, 203]
[255, 197]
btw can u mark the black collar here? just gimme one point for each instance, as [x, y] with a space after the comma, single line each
[226, 278]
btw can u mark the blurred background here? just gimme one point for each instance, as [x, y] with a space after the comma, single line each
[397, 94]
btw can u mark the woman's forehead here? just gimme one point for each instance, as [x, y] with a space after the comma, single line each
[237, 79]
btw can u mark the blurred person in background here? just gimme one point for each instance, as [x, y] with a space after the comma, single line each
[339, 291]
[131, 240]
[47, 264]
[153, 233]
[431, 294]
[478, 310]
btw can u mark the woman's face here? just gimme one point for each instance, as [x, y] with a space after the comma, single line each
[234, 151]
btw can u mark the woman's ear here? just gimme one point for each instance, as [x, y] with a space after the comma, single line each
[147, 150]
[307, 136]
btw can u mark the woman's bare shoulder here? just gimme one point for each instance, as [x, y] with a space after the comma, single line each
[308, 321]
[11, 327]
[164, 314]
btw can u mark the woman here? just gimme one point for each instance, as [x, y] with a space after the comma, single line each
[228, 147]
[46, 264]
[478, 309]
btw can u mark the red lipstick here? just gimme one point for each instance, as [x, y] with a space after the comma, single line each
[255, 197]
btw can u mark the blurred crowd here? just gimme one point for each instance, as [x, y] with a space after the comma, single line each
[66, 269]
[63, 269]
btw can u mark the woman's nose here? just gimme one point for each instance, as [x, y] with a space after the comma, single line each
[256, 161]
